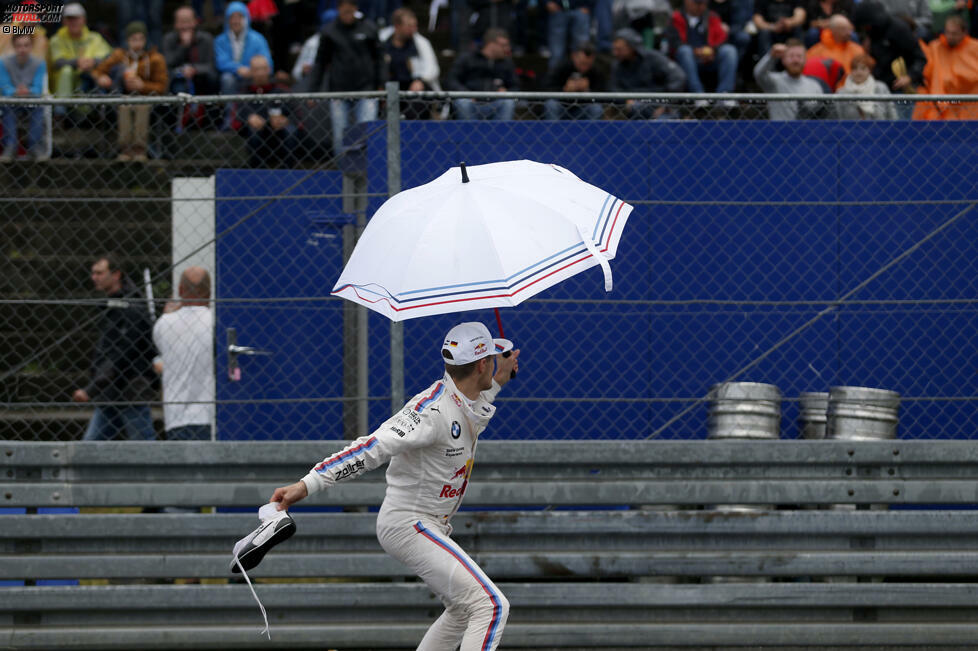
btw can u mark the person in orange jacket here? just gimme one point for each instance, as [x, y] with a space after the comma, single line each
[141, 72]
[952, 69]
[836, 44]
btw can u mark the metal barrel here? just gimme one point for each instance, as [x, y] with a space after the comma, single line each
[862, 414]
[813, 410]
[744, 410]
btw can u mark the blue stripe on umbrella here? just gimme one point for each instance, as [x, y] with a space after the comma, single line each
[391, 297]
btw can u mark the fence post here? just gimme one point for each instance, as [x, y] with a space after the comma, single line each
[355, 318]
[393, 187]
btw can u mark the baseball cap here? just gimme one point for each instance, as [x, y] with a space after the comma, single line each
[73, 9]
[471, 341]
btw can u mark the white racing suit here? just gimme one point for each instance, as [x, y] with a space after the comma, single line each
[430, 444]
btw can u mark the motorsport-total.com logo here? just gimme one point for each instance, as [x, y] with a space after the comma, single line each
[24, 17]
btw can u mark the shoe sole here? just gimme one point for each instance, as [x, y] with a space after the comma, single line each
[252, 557]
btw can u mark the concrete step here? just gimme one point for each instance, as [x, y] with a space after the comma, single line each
[46, 232]
[55, 423]
[38, 384]
[54, 177]
[66, 358]
[45, 317]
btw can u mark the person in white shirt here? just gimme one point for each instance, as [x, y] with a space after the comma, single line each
[184, 337]
[431, 444]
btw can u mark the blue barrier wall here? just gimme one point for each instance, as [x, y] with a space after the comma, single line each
[276, 259]
[799, 248]
[754, 226]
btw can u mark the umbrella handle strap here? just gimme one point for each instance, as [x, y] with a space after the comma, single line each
[600, 257]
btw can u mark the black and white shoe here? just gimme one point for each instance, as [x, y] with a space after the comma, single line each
[248, 552]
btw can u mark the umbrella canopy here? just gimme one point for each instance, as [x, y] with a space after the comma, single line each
[503, 233]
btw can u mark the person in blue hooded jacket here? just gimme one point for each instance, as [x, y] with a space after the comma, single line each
[235, 47]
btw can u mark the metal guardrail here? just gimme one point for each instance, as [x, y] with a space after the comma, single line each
[582, 577]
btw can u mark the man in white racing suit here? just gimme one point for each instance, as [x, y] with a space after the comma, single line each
[430, 444]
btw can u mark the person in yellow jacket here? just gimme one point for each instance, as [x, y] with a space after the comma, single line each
[952, 69]
[73, 53]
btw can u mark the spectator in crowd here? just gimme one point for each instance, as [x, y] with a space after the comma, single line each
[74, 52]
[381, 12]
[306, 61]
[941, 9]
[698, 42]
[777, 21]
[952, 69]
[567, 19]
[411, 60]
[140, 72]
[818, 14]
[122, 365]
[789, 81]
[860, 82]
[604, 24]
[827, 72]
[529, 28]
[489, 14]
[916, 12]
[184, 337]
[892, 44]
[735, 16]
[234, 48]
[489, 69]
[270, 134]
[148, 12]
[217, 6]
[22, 75]
[578, 74]
[644, 16]
[640, 70]
[836, 44]
[39, 46]
[348, 60]
[294, 21]
[189, 54]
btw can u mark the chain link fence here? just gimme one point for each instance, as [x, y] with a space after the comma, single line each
[807, 254]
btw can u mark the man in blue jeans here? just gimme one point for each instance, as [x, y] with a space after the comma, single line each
[122, 380]
[568, 18]
[698, 42]
[349, 59]
[22, 75]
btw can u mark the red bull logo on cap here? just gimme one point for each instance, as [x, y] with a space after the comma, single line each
[480, 348]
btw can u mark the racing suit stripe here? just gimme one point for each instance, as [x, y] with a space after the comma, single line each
[349, 454]
[493, 597]
[434, 395]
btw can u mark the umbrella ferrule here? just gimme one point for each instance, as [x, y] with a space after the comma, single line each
[465, 174]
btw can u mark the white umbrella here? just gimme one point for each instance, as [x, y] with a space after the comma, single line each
[488, 236]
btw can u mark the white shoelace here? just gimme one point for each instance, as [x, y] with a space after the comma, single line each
[255, 595]
[266, 512]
